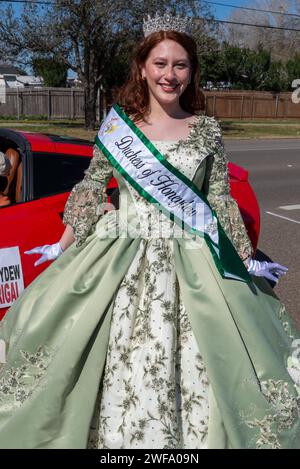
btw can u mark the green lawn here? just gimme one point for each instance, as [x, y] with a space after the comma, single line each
[231, 128]
[261, 128]
[70, 129]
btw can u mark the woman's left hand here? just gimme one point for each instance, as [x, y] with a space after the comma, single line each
[271, 270]
[49, 252]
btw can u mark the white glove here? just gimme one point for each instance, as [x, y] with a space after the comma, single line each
[266, 269]
[49, 252]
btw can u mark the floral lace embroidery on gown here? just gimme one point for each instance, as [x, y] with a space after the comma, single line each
[140, 370]
[154, 391]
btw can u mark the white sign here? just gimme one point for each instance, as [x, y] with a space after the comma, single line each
[11, 276]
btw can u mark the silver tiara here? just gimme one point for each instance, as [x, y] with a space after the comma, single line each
[167, 22]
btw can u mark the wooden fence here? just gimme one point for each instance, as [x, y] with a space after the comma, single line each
[51, 103]
[68, 103]
[251, 105]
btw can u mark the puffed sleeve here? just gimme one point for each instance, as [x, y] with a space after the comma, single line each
[83, 206]
[216, 187]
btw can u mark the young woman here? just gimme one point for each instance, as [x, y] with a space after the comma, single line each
[140, 336]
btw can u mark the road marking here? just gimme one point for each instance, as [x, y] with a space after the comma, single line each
[290, 207]
[258, 149]
[285, 218]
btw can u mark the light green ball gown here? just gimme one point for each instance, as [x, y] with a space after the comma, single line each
[138, 342]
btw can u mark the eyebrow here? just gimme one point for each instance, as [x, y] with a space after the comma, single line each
[163, 58]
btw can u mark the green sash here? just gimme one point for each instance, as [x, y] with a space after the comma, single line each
[133, 155]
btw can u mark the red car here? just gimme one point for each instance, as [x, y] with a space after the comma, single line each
[45, 168]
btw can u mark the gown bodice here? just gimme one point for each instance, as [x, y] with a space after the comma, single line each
[134, 208]
[201, 158]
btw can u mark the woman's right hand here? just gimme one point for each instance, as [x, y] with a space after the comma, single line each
[49, 252]
[270, 270]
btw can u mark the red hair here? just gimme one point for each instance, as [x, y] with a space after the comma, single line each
[133, 96]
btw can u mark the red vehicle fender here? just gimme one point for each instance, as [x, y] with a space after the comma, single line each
[244, 195]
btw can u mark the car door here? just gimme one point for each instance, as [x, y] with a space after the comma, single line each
[37, 222]
[54, 175]
[23, 226]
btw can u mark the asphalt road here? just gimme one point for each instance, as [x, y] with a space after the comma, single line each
[274, 173]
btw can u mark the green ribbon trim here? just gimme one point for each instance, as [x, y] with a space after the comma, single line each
[142, 191]
[229, 260]
[158, 155]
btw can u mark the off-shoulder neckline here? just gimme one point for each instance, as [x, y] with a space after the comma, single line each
[192, 125]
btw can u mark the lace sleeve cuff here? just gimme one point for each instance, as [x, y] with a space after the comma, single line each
[229, 215]
[83, 209]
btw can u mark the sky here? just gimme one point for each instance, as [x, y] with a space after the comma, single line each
[220, 12]
[223, 12]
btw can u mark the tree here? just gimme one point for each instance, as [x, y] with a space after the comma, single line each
[280, 42]
[293, 70]
[234, 59]
[52, 70]
[276, 79]
[257, 65]
[211, 61]
[91, 37]
[247, 69]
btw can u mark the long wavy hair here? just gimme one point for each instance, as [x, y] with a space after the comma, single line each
[133, 96]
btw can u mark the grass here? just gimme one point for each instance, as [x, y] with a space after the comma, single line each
[261, 128]
[232, 128]
[58, 128]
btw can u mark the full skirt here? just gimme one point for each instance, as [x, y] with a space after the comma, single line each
[140, 343]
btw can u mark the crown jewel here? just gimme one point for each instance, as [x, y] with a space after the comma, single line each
[167, 22]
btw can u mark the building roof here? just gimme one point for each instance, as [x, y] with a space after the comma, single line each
[6, 69]
[20, 81]
[29, 80]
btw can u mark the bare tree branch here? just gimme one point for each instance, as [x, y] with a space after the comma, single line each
[87, 35]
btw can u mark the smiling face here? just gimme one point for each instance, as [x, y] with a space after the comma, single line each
[167, 71]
